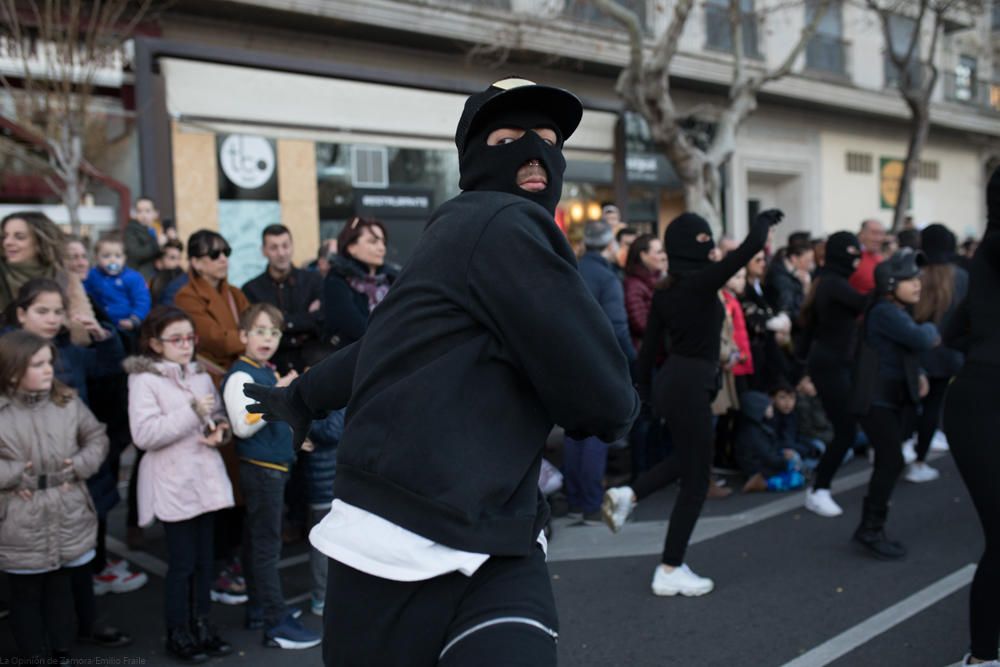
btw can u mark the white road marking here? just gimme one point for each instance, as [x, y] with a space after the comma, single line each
[872, 627]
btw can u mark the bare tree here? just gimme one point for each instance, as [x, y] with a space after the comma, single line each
[916, 71]
[62, 46]
[644, 85]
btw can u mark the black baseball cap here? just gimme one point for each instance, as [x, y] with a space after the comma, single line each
[516, 93]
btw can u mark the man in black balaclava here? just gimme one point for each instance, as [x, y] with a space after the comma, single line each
[435, 536]
[843, 252]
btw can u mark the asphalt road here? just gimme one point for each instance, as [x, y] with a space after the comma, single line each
[791, 590]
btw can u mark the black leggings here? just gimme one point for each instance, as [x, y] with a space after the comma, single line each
[685, 390]
[502, 615]
[84, 603]
[972, 421]
[41, 612]
[833, 384]
[929, 419]
[189, 569]
[884, 428]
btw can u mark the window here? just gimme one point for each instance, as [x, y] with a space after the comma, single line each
[859, 163]
[718, 33]
[826, 50]
[996, 14]
[965, 79]
[586, 12]
[928, 170]
[901, 30]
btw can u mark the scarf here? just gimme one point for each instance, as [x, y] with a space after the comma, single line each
[13, 276]
[374, 287]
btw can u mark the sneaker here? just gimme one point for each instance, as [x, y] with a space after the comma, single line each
[290, 634]
[117, 565]
[317, 606]
[821, 502]
[909, 451]
[228, 589]
[681, 581]
[118, 581]
[919, 472]
[181, 645]
[988, 663]
[617, 506]
[939, 443]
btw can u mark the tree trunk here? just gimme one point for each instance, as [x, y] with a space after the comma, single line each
[920, 123]
[71, 199]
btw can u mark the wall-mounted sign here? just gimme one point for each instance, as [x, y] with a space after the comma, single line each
[248, 167]
[649, 168]
[890, 176]
[401, 202]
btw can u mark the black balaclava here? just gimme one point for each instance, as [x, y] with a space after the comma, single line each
[684, 251]
[842, 250]
[495, 168]
[993, 202]
[938, 243]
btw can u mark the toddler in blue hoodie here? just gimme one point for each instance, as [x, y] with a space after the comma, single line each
[119, 290]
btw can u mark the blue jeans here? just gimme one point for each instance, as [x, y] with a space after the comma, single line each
[264, 493]
[584, 462]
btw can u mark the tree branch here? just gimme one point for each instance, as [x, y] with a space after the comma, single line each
[807, 34]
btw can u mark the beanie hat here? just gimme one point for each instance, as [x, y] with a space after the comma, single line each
[843, 250]
[938, 243]
[685, 251]
[597, 235]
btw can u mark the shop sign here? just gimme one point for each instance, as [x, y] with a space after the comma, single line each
[648, 168]
[394, 203]
[248, 166]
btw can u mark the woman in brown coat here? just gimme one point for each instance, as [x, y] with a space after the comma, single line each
[50, 443]
[215, 306]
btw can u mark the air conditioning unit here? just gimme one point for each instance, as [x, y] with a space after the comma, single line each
[369, 166]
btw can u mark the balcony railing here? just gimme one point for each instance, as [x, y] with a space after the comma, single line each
[719, 36]
[827, 54]
[973, 92]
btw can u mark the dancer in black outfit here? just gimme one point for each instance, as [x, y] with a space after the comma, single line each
[830, 317]
[890, 388]
[686, 318]
[972, 422]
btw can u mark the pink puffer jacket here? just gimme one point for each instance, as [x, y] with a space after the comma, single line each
[179, 477]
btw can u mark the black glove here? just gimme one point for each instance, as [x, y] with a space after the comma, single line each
[772, 215]
[281, 404]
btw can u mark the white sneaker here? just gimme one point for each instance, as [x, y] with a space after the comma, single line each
[681, 581]
[617, 506]
[939, 443]
[821, 502]
[989, 663]
[112, 580]
[918, 472]
[909, 451]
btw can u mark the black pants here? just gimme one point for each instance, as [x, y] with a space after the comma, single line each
[189, 569]
[972, 422]
[884, 428]
[832, 378]
[132, 518]
[504, 615]
[264, 493]
[684, 393]
[84, 603]
[929, 419]
[41, 612]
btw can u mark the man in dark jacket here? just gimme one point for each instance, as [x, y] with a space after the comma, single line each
[488, 337]
[296, 293]
[787, 277]
[585, 460]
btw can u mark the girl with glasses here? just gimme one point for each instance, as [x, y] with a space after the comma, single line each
[177, 418]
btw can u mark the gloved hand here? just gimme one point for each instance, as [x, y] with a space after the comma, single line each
[281, 404]
[772, 215]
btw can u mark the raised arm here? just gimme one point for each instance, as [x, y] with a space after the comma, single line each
[714, 276]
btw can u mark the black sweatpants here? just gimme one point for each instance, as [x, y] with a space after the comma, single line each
[504, 615]
[684, 393]
[188, 582]
[41, 612]
[832, 379]
[884, 428]
[972, 422]
[929, 419]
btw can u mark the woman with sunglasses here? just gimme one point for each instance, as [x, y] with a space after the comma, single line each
[212, 303]
[358, 280]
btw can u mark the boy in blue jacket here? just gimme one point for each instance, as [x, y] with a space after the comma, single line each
[266, 456]
[119, 290]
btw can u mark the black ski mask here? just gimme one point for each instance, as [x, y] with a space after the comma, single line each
[843, 250]
[516, 103]
[688, 242]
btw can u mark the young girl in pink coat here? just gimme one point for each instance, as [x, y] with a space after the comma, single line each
[177, 418]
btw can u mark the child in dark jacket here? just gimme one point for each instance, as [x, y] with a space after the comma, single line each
[768, 464]
[788, 427]
[266, 456]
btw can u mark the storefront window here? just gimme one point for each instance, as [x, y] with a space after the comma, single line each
[398, 186]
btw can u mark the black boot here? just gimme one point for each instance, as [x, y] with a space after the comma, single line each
[181, 645]
[208, 638]
[871, 534]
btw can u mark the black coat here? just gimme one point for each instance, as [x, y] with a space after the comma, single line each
[346, 310]
[301, 336]
[487, 339]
